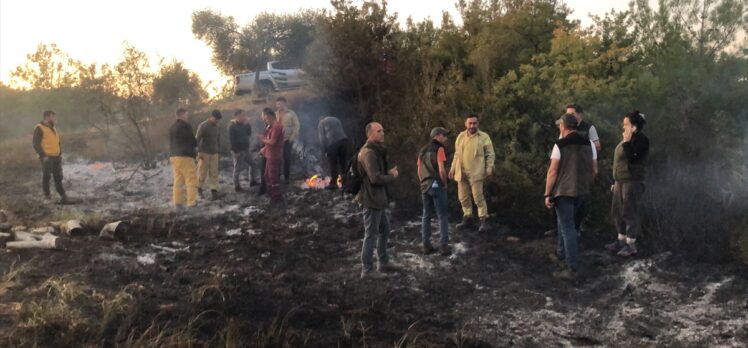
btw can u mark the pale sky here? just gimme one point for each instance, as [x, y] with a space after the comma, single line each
[93, 31]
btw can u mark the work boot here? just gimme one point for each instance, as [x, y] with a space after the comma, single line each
[239, 189]
[372, 275]
[565, 274]
[615, 246]
[47, 198]
[483, 226]
[214, 195]
[628, 250]
[467, 222]
[64, 199]
[388, 267]
[445, 250]
[428, 249]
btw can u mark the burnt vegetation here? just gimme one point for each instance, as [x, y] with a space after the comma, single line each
[243, 273]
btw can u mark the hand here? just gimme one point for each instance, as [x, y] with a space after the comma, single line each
[394, 172]
[612, 187]
[627, 134]
[43, 159]
[489, 171]
[451, 174]
[549, 203]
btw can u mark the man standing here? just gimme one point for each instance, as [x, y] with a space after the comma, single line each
[573, 166]
[432, 172]
[272, 151]
[473, 163]
[291, 127]
[182, 157]
[629, 172]
[334, 142]
[47, 146]
[374, 197]
[239, 133]
[208, 143]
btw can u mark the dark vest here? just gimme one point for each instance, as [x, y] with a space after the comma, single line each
[574, 175]
[584, 129]
[625, 170]
[429, 165]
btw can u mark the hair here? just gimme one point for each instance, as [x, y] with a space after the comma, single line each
[48, 113]
[637, 119]
[283, 99]
[216, 114]
[578, 108]
[238, 112]
[181, 111]
[472, 116]
[574, 127]
[369, 127]
[269, 112]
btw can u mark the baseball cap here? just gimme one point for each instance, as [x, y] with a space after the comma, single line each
[568, 120]
[439, 130]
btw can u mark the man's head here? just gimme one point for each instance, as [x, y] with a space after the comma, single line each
[50, 117]
[215, 116]
[268, 115]
[440, 134]
[576, 110]
[567, 123]
[634, 120]
[374, 132]
[181, 114]
[240, 116]
[471, 123]
[280, 104]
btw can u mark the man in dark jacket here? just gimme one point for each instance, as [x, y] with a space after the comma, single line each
[334, 142]
[373, 196]
[182, 157]
[239, 137]
[570, 174]
[432, 172]
[629, 172]
[47, 146]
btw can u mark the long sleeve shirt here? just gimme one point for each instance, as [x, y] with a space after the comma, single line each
[291, 125]
[473, 156]
[182, 140]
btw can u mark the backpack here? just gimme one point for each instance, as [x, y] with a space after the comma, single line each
[352, 179]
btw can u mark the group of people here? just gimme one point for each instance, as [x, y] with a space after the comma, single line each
[573, 167]
[571, 172]
[276, 146]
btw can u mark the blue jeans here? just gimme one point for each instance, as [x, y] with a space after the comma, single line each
[376, 231]
[435, 201]
[567, 249]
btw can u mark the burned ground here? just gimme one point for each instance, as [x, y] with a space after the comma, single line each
[243, 273]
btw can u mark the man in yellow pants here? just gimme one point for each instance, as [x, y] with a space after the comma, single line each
[182, 156]
[208, 144]
[472, 164]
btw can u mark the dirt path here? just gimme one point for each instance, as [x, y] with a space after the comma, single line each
[243, 273]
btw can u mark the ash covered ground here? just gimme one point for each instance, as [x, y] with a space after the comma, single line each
[240, 272]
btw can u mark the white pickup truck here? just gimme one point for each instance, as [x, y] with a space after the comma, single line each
[277, 77]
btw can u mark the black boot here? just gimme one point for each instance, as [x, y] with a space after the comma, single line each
[238, 189]
[467, 222]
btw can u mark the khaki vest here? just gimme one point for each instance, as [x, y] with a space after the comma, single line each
[50, 140]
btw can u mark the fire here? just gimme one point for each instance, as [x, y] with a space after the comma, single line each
[318, 181]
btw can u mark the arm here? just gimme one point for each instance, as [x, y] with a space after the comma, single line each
[595, 138]
[456, 158]
[275, 137]
[371, 168]
[233, 137]
[489, 154]
[184, 134]
[443, 173]
[594, 160]
[295, 126]
[635, 149]
[550, 181]
[38, 134]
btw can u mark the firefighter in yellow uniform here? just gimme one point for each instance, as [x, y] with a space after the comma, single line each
[182, 157]
[473, 162]
[47, 146]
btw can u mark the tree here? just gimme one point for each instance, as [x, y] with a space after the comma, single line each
[175, 85]
[47, 68]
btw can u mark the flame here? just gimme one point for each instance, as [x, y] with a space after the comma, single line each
[312, 182]
[318, 182]
[340, 181]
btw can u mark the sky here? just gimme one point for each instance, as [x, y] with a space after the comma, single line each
[94, 31]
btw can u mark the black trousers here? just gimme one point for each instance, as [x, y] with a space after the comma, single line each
[287, 155]
[337, 158]
[263, 163]
[52, 168]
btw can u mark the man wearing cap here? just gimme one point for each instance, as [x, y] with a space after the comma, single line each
[432, 172]
[208, 143]
[182, 155]
[572, 169]
[472, 164]
[47, 146]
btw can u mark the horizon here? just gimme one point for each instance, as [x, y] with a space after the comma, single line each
[164, 31]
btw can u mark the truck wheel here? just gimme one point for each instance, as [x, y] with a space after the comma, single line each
[265, 88]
